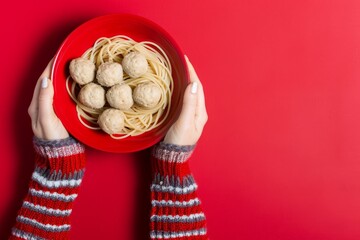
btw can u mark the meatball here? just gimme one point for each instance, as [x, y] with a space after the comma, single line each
[111, 121]
[109, 74]
[120, 96]
[135, 64]
[92, 95]
[147, 94]
[82, 70]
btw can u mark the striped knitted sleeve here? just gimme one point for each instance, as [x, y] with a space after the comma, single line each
[54, 185]
[176, 212]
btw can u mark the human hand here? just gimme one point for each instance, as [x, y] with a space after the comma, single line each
[45, 124]
[188, 127]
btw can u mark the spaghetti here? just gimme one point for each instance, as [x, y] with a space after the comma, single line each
[138, 120]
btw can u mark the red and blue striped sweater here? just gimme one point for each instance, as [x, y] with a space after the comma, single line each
[176, 212]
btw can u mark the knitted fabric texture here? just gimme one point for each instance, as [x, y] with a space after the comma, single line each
[54, 185]
[176, 212]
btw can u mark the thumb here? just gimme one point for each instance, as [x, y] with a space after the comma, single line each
[188, 110]
[45, 100]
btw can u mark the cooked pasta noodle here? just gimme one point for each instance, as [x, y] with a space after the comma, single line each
[137, 119]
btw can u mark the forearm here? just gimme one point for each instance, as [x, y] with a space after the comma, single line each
[54, 185]
[176, 209]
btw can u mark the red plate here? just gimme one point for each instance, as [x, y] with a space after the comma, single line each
[82, 38]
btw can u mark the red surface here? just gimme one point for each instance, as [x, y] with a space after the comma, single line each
[80, 40]
[280, 156]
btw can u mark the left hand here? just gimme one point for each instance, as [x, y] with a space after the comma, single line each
[45, 124]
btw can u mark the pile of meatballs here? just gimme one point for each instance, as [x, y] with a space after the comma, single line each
[105, 84]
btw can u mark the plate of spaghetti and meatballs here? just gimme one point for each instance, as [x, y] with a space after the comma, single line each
[119, 81]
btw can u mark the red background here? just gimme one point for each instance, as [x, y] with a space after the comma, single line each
[280, 156]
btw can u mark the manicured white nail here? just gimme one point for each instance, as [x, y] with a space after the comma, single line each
[44, 82]
[194, 87]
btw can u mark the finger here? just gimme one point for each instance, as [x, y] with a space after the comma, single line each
[188, 110]
[193, 76]
[47, 71]
[45, 100]
[33, 107]
[201, 107]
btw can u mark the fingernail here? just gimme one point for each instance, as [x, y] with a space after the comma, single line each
[44, 82]
[194, 87]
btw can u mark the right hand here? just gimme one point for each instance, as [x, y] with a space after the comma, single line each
[189, 126]
[45, 124]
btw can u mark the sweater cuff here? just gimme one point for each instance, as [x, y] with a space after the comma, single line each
[172, 153]
[171, 160]
[65, 155]
[57, 148]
